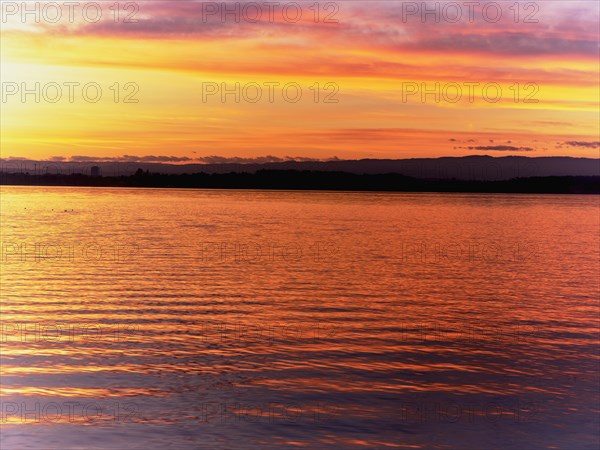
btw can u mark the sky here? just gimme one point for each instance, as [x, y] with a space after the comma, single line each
[185, 80]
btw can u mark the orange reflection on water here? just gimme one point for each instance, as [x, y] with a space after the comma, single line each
[356, 332]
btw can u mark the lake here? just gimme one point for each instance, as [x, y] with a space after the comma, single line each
[186, 319]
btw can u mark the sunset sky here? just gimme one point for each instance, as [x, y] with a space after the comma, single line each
[366, 57]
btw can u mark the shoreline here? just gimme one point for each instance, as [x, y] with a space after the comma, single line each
[316, 182]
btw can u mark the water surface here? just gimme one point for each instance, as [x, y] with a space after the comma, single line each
[185, 319]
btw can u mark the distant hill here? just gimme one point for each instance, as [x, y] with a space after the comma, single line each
[485, 168]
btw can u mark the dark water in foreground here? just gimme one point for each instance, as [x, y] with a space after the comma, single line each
[179, 319]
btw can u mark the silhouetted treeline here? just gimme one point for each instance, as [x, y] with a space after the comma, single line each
[313, 180]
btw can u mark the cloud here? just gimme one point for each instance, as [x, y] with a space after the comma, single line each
[552, 123]
[213, 159]
[15, 158]
[584, 144]
[516, 44]
[373, 24]
[501, 148]
[255, 160]
[128, 158]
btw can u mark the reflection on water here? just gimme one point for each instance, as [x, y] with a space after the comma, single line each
[136, 318]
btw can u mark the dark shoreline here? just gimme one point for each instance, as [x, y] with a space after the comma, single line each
[314, 180]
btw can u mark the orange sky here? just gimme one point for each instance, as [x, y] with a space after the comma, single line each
[368, 61]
